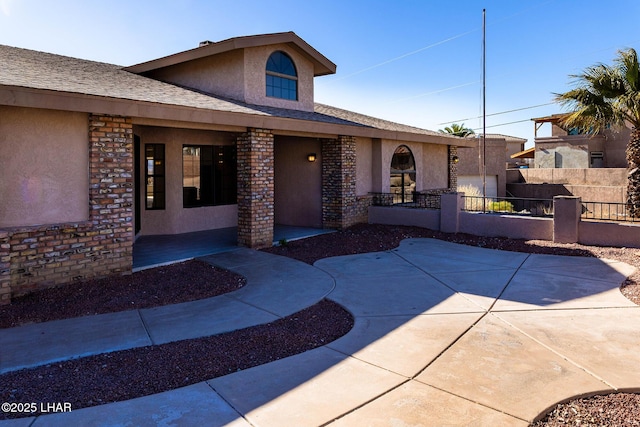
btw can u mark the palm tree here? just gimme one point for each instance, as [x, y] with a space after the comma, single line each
[457, 130]
[607, 95]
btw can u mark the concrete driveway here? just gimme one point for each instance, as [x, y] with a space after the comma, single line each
[444, 334]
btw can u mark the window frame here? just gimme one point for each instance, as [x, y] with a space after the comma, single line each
[155, 177]
[278, 81]
[405, 165]
[219, 186]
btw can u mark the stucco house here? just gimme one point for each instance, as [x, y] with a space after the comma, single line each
[498, 152]
[569, 148]
[223, 135]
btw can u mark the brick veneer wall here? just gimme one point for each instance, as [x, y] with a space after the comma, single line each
[35, 257]
[453, 168]
[339, 207]
[362, 208]
[255, 188]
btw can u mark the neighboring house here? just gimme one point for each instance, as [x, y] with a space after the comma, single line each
[568, 148]
[499, 149]
[223, 135]
[592, 167]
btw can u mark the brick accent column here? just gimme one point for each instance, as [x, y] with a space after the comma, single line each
[111, 189]
[339, 208]
[453, 167]
[35, 257]
[255, 188]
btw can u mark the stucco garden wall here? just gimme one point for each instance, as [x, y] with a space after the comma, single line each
[592, 185]
[565, 227]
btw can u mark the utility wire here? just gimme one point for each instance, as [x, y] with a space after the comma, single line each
[504, 124]
[405, 55]
[457, 36]
[497, 114]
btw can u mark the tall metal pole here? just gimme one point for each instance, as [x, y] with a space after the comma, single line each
[484, 110]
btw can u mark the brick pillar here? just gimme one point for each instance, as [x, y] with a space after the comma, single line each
[255, 188]
[111, 190]
[339, 207]
[453, 167]
[566, 218]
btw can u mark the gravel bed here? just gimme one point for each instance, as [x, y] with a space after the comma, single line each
[172, 284]
[123, 375]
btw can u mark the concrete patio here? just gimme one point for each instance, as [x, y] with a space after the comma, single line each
[444, 334]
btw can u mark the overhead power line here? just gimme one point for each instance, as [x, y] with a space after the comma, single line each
[504, 124]
[406, 54]
[499, 113]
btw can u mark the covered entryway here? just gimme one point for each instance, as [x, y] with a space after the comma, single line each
[297, 181]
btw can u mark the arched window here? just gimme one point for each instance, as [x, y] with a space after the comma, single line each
[282, 78]
[403, 175]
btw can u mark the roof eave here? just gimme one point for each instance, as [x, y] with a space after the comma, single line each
[69, 101]
[322, 65]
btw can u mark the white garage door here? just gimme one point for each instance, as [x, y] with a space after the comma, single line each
[476, 181]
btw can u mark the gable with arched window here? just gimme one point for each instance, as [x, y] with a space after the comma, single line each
[281, 77]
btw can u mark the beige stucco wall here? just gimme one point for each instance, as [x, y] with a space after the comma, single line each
[573, 151]
[174, 218]
[43, 166]
[240, 74]
[593, 185]
[373, 165]
[297, 182]
[435, 167]
[469, 164]
[221, 74]
[364, 167]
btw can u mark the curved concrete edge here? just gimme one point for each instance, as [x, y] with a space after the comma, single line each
[276, 287]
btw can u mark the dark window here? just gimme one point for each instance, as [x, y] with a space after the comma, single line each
[154, 176]
[282, 78]
[403, 175]
[209, 175]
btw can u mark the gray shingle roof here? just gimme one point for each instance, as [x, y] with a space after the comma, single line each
[40, 70]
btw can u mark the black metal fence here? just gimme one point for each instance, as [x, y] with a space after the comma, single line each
[509, 205]
[604, 211]
[429, 199]
[600, 211]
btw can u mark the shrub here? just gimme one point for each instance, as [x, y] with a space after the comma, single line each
[502, 206]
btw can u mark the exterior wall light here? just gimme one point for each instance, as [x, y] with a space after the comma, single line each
[455, 159]
[311, 157]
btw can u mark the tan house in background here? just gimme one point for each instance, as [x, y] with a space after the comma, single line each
[568, 148]
[499, 149]
[224, 135]
[592, 167]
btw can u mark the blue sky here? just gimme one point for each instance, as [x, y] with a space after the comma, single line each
[414, 62]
